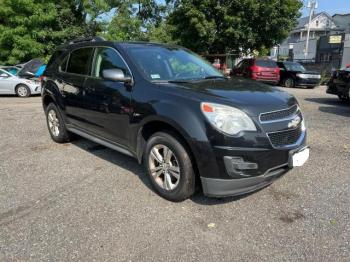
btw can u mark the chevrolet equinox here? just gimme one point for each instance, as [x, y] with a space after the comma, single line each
[164, 105]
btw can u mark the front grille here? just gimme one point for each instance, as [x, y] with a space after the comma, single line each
[285, 138]
[279, 115]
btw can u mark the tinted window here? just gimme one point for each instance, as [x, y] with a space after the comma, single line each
[79, 61]
[108, 58]
[63, 64]
[54, 57]
[266, 63]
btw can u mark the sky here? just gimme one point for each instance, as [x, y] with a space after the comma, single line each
[330, 6]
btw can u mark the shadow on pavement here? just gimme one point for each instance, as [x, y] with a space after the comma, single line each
[340, 111]
[131, 164]
[329, 101]
[114, 157]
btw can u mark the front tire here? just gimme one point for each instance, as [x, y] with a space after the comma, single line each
[22, 90]
[289, 83]
[169, 167]
[56, 125]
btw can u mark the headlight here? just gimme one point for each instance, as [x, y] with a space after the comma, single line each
[303, 75]
[226, 119]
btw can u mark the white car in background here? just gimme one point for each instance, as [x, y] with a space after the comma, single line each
[11, 84]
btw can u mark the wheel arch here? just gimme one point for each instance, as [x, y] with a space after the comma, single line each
[22, 84]
[163, 125]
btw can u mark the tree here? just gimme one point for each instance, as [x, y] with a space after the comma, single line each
[30, 29]
[93, 11]
[125, 25]
[139, 20]
[219, 26]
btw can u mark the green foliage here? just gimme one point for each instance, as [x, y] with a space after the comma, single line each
[33, 28]
[124, 26]
[92, 10]
[211, 26]
[30, 29]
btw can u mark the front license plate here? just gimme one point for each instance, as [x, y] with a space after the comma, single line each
[299, 158]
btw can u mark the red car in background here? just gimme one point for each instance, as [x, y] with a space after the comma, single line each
[264, 70]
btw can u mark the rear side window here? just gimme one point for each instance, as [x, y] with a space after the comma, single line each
[54, 57]
[266, 63]
[108, 58]
[63, 65]
[79, 61]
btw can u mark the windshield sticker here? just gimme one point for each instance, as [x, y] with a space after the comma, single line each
[155, 76]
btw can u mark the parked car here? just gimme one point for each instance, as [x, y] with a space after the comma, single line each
[339, 84]
[176, 114]
[11, 84]
[264, 70]
[294, 74]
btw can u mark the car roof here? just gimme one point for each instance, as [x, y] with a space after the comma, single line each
[96, 41]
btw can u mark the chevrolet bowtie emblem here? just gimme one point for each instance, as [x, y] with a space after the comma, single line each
[295, 122]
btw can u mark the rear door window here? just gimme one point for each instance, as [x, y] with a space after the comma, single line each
[79, 61]
[266, 63]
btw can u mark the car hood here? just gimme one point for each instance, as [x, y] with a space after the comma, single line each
[250, 96]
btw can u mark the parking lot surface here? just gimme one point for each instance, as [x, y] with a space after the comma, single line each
[81, 201]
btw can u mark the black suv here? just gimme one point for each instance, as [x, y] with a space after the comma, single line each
[339, 84]
[294, 74]
[175, 113]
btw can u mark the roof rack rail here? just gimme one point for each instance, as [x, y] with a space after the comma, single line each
[86, 39]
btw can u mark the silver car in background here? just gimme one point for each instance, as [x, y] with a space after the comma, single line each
[11, 84]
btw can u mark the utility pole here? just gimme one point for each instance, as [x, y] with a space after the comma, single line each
[312, 5]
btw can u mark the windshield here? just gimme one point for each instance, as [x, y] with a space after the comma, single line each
[290, 66]
[160, 63]
[266, 63]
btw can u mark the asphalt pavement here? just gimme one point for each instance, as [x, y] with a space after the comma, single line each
[83, 202]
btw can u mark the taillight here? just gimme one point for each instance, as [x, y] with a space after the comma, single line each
[277, 70]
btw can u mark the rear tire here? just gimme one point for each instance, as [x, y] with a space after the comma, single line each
[56, 125]
[22, 90]
[289, 83]
[169, 167]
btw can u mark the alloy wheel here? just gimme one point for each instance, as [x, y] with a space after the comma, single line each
[54, 123]
[164, 167]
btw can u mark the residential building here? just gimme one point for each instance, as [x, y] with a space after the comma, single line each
[322, 24]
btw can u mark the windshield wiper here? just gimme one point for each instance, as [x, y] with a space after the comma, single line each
[215, 77]
[178, 81]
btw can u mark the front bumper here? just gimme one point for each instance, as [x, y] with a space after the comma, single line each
[307, 82]
[35, 90]
[233, 187]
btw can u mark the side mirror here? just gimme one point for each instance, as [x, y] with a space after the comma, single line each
[3, 75]
[116, 75]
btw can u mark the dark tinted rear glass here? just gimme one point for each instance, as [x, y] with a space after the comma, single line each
[79, 61]
[54, 57]
[266, 63]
